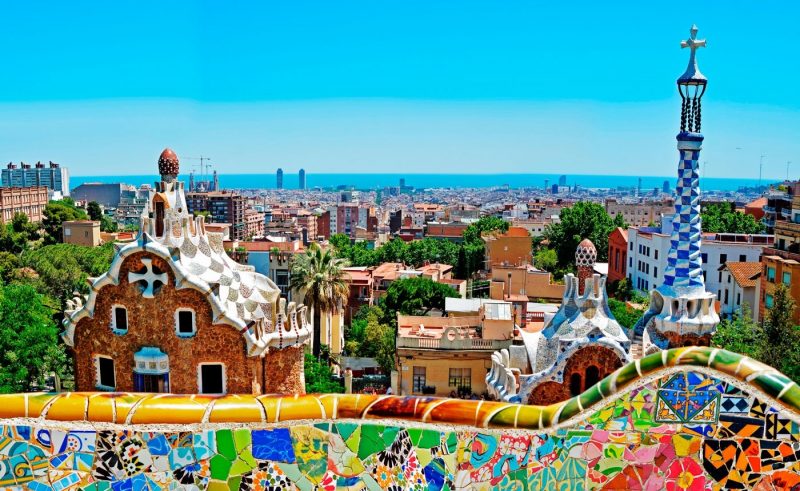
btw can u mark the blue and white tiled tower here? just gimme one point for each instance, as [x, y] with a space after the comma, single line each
[681, 310]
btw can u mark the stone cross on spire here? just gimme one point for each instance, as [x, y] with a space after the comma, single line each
[692, 73]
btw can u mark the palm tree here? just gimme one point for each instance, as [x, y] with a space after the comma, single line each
[319, 275]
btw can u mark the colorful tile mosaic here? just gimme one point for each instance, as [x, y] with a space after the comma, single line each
[691, 429]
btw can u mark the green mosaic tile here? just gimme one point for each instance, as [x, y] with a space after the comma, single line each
[345, 429]
[220, 467]
[225, 445]
[242, 439]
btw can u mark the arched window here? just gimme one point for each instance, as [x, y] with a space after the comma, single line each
[592, 375]
[575, 384]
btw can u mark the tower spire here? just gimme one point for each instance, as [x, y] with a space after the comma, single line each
[681, 310]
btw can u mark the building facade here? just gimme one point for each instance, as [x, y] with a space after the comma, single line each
[740, 289]
[223, 207]
[444, 356]
[174, 313]
[82, 232]
[28, 200]
[782, 261]
[617, 255]
[106, 194]
[52, 176]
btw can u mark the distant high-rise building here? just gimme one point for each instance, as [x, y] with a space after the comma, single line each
[279, 179]
[546, 184]
[53, 177]
[302, 179]
[402, 183]
[639, 188]
[665, 187]
[216, 182]
[562, 181]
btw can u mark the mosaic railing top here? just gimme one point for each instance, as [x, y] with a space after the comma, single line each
[173, 409]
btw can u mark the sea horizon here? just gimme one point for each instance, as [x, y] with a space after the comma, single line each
[367, 181]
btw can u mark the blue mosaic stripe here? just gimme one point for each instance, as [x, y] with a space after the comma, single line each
[684, 261]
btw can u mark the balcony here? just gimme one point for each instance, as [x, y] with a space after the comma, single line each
[784, 227]
[769, 209]
[769, 222]
[769, 251]
[786, 213]
[474, 344]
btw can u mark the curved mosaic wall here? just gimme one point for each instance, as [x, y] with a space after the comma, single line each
[690, 418]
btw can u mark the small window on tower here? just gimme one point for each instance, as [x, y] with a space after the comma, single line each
[105, 373]
[212, 378]
[185, 322]
[119, 319]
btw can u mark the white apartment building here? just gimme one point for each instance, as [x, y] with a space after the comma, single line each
[648, 249]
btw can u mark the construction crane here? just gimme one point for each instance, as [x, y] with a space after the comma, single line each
[203, 165]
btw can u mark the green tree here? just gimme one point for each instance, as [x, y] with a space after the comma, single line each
[29, 346]
[545, 259]
[94, 211]
[741, 334]
[56, 213]
[623, 290]
[583, 220]
[318, 275]
[8, 264]
[723, 218]
[782, 338]
[379, 343]
[626, 316]
[319, 377]
[486, 224]
[19, 235]
[64, 268]
[417, 296]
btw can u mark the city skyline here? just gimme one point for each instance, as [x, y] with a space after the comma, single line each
[366, 88]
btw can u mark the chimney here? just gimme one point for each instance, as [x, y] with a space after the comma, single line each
[39, 165]
[585, 257]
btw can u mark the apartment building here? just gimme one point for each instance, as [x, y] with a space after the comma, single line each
[640, 214]
[28, 200]
[52, 176]
[445, 355]
[781, 262]
[648, 249]
[740, 286]
[224, 207]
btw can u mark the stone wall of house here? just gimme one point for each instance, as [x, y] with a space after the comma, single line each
[283, 371]
[604, 359]
[151, 322]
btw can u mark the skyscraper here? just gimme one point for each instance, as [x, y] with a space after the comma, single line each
[302, 176]
[279, 179]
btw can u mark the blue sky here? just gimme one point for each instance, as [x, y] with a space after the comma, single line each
[379, 86]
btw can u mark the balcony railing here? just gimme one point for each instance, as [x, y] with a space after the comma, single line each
[769, 209]
[787, 227]
[456, 344]
[768, 222]
[769, 251]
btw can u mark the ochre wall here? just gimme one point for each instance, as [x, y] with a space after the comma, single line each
[437, 371]
[151, 322]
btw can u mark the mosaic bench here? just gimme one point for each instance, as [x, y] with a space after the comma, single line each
[690, 418]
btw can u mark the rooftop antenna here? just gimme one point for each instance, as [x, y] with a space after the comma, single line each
[760, 168]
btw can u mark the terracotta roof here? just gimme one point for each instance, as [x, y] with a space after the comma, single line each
[758, 203]
[745, 274]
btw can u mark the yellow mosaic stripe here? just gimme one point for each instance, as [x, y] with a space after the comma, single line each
[129, 408]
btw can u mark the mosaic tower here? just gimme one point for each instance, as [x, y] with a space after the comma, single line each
[681, 310]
